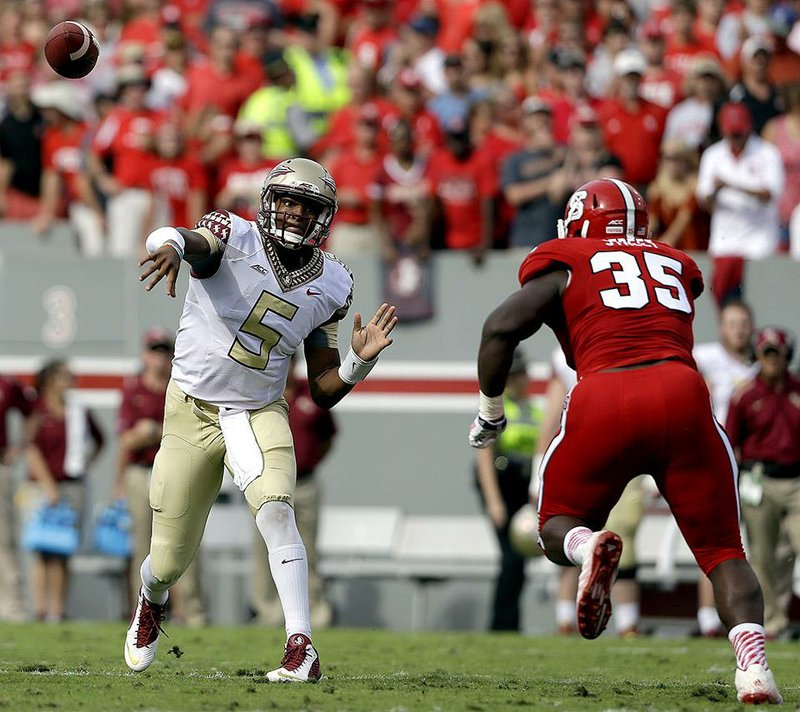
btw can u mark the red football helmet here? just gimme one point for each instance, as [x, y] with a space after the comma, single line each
[605, 208]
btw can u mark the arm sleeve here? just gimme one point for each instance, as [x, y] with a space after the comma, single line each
[541, 260]
[694, 277]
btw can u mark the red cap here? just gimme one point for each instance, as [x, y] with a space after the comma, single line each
[408, 79]
[735, 119]
[773, 337]
[652, 30]
[158, 336]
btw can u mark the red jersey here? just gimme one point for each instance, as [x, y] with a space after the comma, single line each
[765, 423]
[125, 136]
[462, 186]
[370, 47]
[400, 192]
[140, 403]
[354, 175]
[312, 429]
[13, 396]
[634, 137]
[172, 179]
[62, 152]
[626, 302]
[51, 439]
[207, 87]
[242, 183]
[18, 57]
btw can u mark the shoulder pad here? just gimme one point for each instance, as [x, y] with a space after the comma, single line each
[218, 222]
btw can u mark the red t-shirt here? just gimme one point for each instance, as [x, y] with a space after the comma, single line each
[662, 86]
[461, 186]
[399, 191]
[17, 57]
[626, 302]
[312, 428]
[343, 120]
[13, 396]
[207, 87]
[353, 173]
[140, 403]
[634, 137]
[125, 137]
[62, 152]
[369, 47]
[427, 134]
[765, 423]
[51, 439]
[243, 183]
[679, 57]
[173, 179]
[146, 33]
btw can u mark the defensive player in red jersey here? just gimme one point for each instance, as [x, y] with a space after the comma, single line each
[622, 307]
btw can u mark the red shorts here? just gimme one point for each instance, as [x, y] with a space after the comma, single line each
[655, 420]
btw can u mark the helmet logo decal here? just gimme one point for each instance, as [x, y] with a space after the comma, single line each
[282, 169]
[575, 206]
[327, 179]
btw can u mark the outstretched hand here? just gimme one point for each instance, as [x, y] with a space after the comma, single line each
[368, 341]
[165, 262]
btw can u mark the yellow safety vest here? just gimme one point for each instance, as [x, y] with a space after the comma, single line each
[268, 107]
[522, 432]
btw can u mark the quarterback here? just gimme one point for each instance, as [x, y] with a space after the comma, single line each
[257, 291]
[622, 306]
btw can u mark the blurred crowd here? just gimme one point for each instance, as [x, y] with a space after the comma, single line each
[448, 124]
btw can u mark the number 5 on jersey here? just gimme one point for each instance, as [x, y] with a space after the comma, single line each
[269, 337]
[627, 271]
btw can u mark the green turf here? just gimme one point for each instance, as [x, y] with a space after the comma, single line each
[79, 666]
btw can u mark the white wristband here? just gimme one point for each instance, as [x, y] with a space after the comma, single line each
[491, 408]
[354, 368]
[165, 236]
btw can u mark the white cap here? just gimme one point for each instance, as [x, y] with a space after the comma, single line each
[61, 96]
[754, 44]
[629, 61]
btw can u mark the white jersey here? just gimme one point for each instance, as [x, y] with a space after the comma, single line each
[240, 326]
[723, 373]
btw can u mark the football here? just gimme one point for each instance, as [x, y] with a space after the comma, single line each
[71, 49]
[523, 532]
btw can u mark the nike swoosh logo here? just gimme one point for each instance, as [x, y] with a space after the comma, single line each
[131, 656]
[289, 561]
[312, 293]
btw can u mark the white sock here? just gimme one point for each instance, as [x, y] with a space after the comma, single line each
[154, 590]
[575, 544]
[288, 564]
[565, 612]
[747, 640]
[626, 616]
[708, 620]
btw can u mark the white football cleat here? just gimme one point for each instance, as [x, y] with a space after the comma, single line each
[756, 686]
[598, 572]
[300, 662]
[141, 640]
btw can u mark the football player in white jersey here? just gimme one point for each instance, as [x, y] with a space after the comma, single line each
[257, 291]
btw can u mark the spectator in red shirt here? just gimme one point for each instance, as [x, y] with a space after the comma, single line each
[372, 34]
[218, 82]
[569, 92]
[763, 425]
[65, 440]
[13, 397]
[178, 182]
[683, 45]
[660, 85]
[65, 188]
[408, 102]
[632, 126]
[709, 13]
[139, 426]
[399, 198]
[143, 31]
[354, 170]
[16, 55]
[119, 159]
[242, 175]
[463, 184]
[363, 87]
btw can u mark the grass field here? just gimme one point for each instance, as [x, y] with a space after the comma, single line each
[79, 666]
